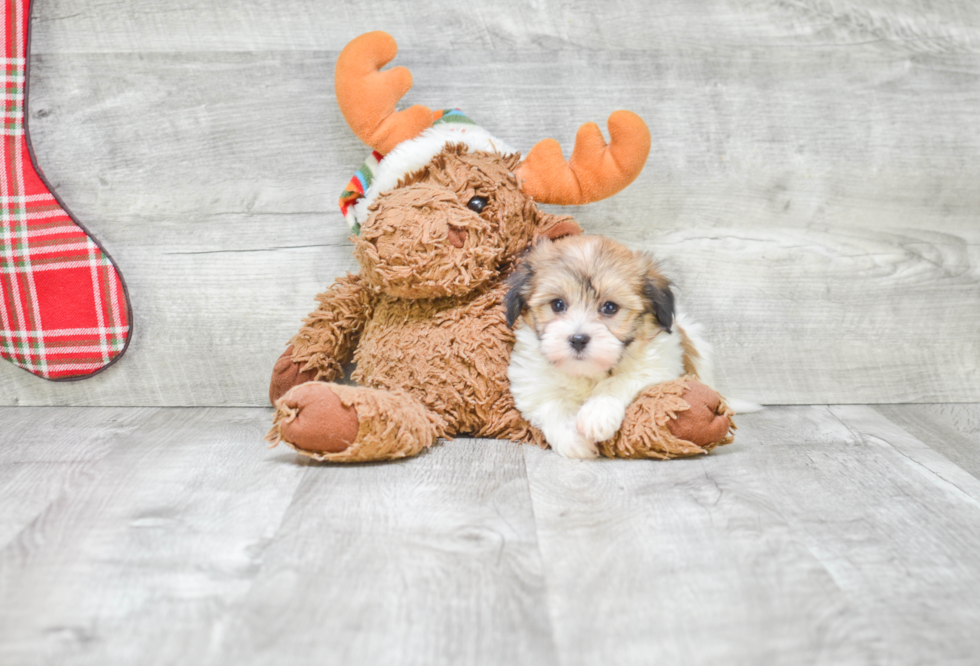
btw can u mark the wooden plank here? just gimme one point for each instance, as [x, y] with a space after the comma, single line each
[160, 536]
[814, 195]
[821, 536]
[244, 25]
[431, 560]
[221, 216]
[45, 453]
[776, 136]
[134, 554]
[952, 430]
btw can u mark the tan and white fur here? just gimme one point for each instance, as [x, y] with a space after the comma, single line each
[595, 325]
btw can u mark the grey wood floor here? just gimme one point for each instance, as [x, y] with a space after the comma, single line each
[824, 535]
[813, 190]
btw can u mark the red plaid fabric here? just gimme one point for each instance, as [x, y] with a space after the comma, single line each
[64, 311]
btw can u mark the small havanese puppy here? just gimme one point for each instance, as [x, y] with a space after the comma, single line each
[596, 324]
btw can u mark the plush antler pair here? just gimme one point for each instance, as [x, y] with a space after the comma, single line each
[367, 97]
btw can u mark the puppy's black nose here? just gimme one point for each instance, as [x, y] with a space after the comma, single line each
[579, 341]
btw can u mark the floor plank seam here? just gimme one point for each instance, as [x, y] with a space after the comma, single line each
[552, 622]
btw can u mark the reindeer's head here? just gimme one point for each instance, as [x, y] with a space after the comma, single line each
[448, 206]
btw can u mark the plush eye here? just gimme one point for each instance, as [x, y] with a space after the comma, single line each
[477, 204]
[558, 305]
[609, 308]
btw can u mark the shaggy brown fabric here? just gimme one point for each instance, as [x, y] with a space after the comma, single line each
[329, 335]
[451, 354]
[286, 374]
[650, 428]
[425, 323]
[406, 246]
[352, 424]
[424, 316]
[411, 260]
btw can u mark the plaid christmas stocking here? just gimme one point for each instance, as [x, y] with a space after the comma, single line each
[64, 310]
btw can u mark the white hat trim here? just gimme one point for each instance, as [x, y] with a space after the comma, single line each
[412, 155]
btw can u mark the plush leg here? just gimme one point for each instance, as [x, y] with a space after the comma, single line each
[64, 312]
[675, 419]
[353, 424]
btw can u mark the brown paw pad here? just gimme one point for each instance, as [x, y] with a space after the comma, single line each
[704, 423]
[321, 424]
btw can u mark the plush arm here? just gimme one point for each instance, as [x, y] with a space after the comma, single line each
[328, 338]
[331, 332]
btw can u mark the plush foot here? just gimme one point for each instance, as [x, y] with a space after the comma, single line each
[353, 424]
[318, 421]
[286, 374]
[707, 421]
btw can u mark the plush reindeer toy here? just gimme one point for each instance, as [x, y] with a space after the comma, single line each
[440, 216]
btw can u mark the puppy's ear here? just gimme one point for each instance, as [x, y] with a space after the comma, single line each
[515, 300]
[659, 298]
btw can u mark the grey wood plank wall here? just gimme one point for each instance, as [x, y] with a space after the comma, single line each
[813, 186]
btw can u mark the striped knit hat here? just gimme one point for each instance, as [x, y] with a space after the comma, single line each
[380, 173]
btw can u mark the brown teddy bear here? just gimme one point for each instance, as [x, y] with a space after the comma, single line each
[440, 215]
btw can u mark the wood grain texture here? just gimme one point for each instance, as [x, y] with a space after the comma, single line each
[179, 538]
[824, 535]
[953, 430]
[250, 25]
[137, 530]
[432, 560]
[45, 453]
[813, 186]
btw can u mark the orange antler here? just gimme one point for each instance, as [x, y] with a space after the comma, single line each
[367, 96]
[596, 171]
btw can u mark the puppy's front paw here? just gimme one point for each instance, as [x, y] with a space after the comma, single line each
[570, 443]
[600, 418]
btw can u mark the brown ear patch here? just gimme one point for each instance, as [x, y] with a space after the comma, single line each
[562, 228]
[659, 297]
[516, 299]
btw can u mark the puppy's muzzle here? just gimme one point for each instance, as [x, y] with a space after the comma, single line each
[579, 341]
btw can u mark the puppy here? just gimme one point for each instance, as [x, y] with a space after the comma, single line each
[596, 324]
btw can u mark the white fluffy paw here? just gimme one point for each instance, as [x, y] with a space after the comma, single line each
[570, 443]
[599, 418]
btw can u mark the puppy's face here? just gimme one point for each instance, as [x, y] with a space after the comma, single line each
[588, 299]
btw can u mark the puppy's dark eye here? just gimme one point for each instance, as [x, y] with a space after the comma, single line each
[609, 308]
[477, 204]
[558, 305]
